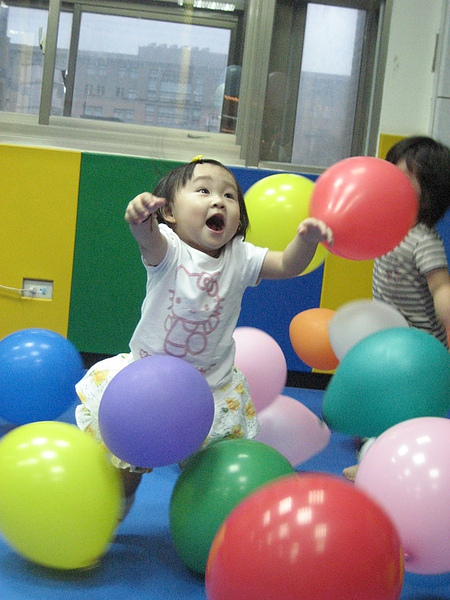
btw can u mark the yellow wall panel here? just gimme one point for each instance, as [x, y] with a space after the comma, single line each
[38, 209]
[345, 280]
[386, 142]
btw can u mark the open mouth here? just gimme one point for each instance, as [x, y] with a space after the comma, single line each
[216, 223]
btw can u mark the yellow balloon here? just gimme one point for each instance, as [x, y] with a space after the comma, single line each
[276, 205]
[60, 497]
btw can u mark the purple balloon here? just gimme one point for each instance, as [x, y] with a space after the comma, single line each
[155, 412]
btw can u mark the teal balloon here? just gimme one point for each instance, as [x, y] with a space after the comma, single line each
[387, 378]
[213, 482]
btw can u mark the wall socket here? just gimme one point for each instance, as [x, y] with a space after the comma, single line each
[41, 289]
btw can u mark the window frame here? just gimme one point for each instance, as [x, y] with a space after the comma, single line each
[241, 148]
[366, 123]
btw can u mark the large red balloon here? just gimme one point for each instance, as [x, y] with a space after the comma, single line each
[310, 536]
[369, 204]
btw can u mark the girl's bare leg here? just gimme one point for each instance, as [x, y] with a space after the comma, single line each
[130, 481]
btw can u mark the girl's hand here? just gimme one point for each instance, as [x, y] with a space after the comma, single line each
[141, 207]
[314, 231]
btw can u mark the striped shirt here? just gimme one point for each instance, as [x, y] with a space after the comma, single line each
[399, 278]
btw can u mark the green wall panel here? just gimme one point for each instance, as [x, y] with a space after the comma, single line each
[108, 283]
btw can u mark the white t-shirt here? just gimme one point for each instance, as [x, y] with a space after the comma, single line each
[193, 302]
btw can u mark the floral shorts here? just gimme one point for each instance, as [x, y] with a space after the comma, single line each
[234, 412]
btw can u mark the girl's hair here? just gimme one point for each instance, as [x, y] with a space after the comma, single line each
[176, 179]
[429, 161]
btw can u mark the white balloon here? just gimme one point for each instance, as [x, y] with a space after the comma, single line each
[356, 320]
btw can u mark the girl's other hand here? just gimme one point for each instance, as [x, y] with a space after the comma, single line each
[314, 231]
[141, 207]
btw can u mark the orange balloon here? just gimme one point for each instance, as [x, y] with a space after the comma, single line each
[310, 339]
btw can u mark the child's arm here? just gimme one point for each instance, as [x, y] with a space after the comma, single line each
[298, 254]
[140, 215]
[439, 286]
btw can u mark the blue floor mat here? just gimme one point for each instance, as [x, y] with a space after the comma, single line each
[141, 561]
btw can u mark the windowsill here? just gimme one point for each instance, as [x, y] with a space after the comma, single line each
[117, 138]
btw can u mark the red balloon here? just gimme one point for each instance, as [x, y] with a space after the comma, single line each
[369, 204]
[309, 536]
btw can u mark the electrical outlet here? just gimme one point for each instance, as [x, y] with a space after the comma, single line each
[41, 289]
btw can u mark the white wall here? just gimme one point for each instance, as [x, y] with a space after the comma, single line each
[408, 84]
[441, 115]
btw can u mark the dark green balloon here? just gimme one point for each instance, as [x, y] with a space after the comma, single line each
[387, 378]
[213, 482]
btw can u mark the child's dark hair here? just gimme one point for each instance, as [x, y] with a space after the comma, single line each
[178, 177]
[429, 161]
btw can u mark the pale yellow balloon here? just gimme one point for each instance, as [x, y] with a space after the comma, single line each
[276, 205]
[60, 497]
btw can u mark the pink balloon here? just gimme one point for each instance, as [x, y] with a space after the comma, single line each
[407, 471]
[262, 361]
[292, 429]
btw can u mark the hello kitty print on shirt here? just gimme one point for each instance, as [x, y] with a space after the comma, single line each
[192, 315]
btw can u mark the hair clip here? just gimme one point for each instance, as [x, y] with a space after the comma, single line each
[197, 158]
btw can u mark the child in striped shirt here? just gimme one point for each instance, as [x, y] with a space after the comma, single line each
[414, 277]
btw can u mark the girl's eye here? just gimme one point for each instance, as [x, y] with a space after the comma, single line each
[231, 196]
[203, 191]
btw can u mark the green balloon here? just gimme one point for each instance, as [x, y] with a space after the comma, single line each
[387, 378]
[213, 482]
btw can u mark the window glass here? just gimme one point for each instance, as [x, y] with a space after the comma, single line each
[162, 73]
[22, 44]
[310, 113]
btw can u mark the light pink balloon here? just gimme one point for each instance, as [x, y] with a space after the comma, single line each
[407, 470]
[292, 429]
[262, 361]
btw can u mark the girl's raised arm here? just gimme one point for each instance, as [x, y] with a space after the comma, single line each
[140, 215]
[298, 254]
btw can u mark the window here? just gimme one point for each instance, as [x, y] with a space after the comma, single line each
[287, 84]
[93, 111]
[311, 97]
[173, 56]
[22, 49]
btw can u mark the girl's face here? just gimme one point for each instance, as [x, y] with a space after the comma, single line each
[205, 212]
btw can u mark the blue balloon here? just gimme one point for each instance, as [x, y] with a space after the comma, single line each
[38, 372]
